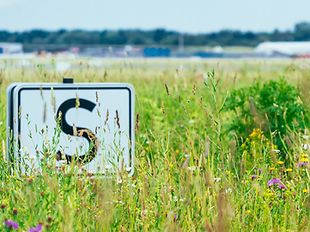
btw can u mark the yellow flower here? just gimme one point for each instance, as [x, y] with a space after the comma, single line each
[305, 190]
[253, 134]
[289, 170]
[303, 155]
[271, 169]
[304, 160]
[280, 162]
[256, 133]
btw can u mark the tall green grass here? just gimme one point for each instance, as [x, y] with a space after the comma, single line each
[189, 174]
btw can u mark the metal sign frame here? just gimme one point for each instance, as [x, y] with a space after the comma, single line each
[14, 102]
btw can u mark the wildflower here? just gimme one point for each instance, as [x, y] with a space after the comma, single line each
[304, 159]
[271, 169]
[253, 177]
[302, 164]
[305, 190]
[3, 206]
[38, 228]
[289, 170]
[306, 146]
[273, 181]
[280, 162]
[276, 181]
[256, 133]
[10, 224]
[281, 186]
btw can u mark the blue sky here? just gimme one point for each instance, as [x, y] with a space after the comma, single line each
[182, 15]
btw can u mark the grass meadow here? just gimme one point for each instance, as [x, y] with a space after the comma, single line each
[192, 173]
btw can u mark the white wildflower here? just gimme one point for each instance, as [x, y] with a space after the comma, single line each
[306, 146]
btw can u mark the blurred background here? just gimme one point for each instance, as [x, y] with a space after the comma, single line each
[139, 28]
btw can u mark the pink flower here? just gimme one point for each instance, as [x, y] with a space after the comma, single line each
[10, 224]
[277, 182]
[302, 164]
[38, 228]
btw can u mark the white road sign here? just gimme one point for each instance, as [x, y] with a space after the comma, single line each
[91, 124]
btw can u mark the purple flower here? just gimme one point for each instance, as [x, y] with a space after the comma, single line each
[11, 224]
[273, 181]
[302, 164]
[253, 177]
[276, 181]
[38, 228]
[281, 186]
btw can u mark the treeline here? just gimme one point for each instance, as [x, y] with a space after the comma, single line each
[159, 37]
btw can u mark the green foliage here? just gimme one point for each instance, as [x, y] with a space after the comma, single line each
[274, 107]
[39, 39]
[189, 174]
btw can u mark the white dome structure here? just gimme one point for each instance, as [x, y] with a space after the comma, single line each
[284, 48]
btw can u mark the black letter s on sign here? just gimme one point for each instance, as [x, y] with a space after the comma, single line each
[82, 132]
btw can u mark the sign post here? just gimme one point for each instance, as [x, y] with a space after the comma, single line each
[90, 124]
